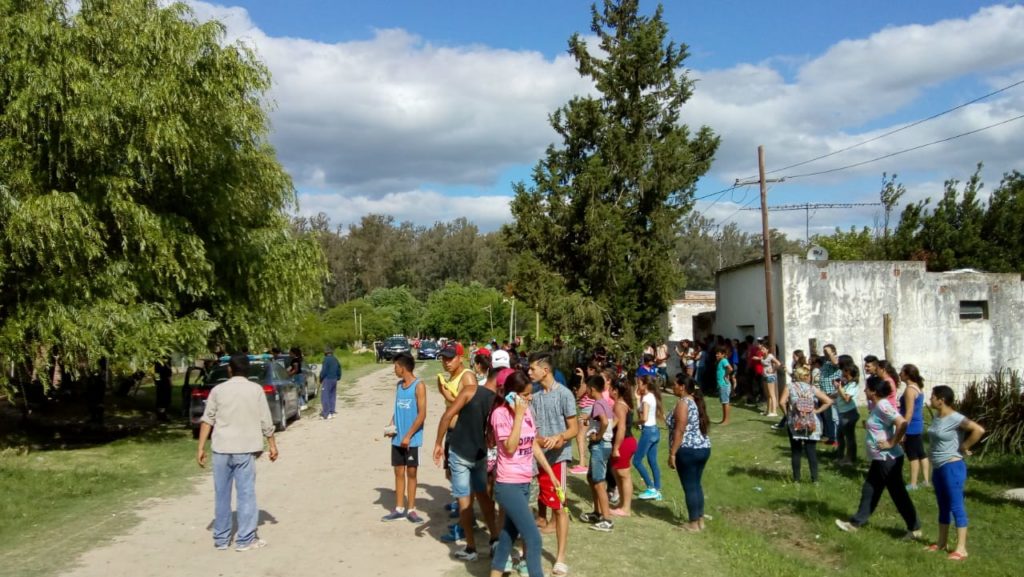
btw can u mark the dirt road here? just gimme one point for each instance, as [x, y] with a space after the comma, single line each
[320, 507]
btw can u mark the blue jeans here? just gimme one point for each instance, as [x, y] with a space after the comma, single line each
[328, 397]
[300, 380]
[647, 447]
[514, 499]
[690, 466]
[239, 470]
[949, 480]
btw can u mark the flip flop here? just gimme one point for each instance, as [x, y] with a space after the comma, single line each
[933, 548]
[956, 556]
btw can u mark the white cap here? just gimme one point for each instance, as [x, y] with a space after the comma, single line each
[499, 359]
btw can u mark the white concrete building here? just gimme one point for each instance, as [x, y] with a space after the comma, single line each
[955, 326]
[680, 316]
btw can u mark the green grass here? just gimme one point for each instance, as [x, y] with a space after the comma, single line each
[765, 525]
[58, 502]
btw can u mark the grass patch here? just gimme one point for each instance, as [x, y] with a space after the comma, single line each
[766, 525]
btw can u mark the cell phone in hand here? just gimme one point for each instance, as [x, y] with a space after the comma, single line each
[511, 399]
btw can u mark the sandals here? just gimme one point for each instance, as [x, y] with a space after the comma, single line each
[957, 556]
[560, 570]
[933, 548]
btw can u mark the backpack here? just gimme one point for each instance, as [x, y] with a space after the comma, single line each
[803, 417]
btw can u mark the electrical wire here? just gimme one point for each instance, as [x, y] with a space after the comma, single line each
[905, 150]
[894, 131]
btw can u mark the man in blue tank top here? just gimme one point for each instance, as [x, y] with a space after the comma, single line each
[406, 432]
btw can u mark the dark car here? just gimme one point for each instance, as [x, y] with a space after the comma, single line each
[281, 390]
[395, 345]
[310, 375]
[428, 350]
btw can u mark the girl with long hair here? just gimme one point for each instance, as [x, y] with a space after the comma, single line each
[947, 452]
[518, 446]
[912, 409]
[691, 447]
[650, 412]
[624, 445]
[803, 403]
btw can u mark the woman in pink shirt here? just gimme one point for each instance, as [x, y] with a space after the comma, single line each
[516, 433]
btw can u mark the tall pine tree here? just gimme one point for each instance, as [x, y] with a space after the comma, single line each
[594, 235]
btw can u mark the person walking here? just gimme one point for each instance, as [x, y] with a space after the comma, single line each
[803, 403]
[238, 416]
[885, 430]
[651, 412]
[467, 453]
[330, 374]
[519, 445]
[912, 409]
[947, 452]
[406, 432]
[690, 448]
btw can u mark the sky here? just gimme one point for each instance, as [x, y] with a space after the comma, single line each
[429, 110]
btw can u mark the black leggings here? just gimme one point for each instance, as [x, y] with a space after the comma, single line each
[810, 450]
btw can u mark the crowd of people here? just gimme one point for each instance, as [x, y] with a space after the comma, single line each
[506, 438]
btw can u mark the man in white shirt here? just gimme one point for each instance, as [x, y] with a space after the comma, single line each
[239, 417]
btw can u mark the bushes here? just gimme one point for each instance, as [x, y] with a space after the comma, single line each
[997, 403]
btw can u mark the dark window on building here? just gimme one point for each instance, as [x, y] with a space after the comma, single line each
[973, 310]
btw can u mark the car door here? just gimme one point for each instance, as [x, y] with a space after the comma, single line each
[287, 388]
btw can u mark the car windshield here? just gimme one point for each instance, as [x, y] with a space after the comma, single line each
[396, 342]
[428, 345]
[219, 374]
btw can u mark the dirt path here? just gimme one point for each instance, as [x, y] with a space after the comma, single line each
[320, 508]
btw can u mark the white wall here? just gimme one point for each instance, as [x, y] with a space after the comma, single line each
[741, 301]
[680, 316]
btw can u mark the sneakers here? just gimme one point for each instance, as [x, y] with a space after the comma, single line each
[393, 515]
[777, 427]
[590, 517]
[604, 525]
[614, 498]
[846, 526]
[453, 506]
[650, 495]
[414, 517]
[911, 487]
[254, 544]
[331, 416]
[303, 407]
[466, 554]
[579, 470]
[912, 535]
[454, 535]
[221, 547]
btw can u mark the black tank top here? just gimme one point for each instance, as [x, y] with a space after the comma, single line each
[468, 438]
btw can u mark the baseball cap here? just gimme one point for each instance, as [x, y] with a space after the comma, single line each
[448, 352]
[499, 359]
[482, 351]
[503, 376]
[458, 349]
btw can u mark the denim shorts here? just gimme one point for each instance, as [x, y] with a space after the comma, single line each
[600, 455]
[723, 393]
[468, 476]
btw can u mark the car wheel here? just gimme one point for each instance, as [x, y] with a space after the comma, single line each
[281, 425]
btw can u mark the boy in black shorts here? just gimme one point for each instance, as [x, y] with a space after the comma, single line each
[406, 432]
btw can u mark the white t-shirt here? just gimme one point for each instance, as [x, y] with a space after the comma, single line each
[652, 409]
[769, 367]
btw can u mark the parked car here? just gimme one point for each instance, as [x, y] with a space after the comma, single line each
[310, 373]
[428, 350]
[395, 345]
[281, 391]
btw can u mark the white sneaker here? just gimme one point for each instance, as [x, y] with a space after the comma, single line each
[331, 416]
[254, 544]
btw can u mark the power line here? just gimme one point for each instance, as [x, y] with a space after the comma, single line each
[905, 150]
[894, 131]
[807, 206]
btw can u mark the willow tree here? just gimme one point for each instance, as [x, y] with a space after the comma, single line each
[595, 232]
[141, 208]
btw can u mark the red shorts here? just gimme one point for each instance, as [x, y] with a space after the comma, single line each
[548, 497]
[626, 451]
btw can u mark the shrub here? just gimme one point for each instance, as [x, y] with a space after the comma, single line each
[997, 403]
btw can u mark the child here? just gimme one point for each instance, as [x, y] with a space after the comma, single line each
[647, 447]
[406, 432]
[723, 376]
[600, 436]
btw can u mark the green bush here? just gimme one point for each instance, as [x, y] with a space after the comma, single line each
[997, 403]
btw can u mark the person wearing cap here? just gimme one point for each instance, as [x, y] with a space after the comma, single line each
[330, 374]
[450, 385]
[467, 453]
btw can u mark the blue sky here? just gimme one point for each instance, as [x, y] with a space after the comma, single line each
[428, 110]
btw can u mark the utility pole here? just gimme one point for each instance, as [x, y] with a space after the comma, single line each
[768, 292]
[490, 313]
[807, 206]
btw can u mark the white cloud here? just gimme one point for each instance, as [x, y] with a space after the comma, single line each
[422, 207]
[382, 124]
